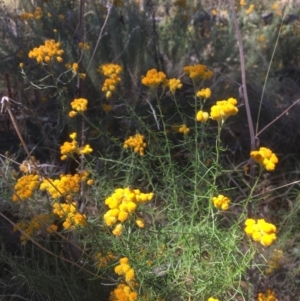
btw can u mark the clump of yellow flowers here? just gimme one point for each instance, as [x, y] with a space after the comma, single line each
[250, 9]
[111, 71]
[267, 296]
[124, 269]
[122, 203]
[155, 78]
[184, 129]
[265, 157]
[174, 84]
[260, 231]
[212, 299]
[198, 72]
[221, 202]
[69, 212]
[84, 46]
[45, 53]
[136, 143]
[78, 105]
[223, 109]
[35, 224]
[124, 291]
[67, 185]
[37, 14]
[69, 148]
[205, 93]
[25, 187]
[202, 116]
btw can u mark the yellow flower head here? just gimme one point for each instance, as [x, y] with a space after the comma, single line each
[223, 109]
[198, 72]
[221, 202]
[205, 93]
[46, 52]
[136, 143]
[122, 203]
[250, 9]
[25, 187]
[79, 104]
[174, 84]
[111, 71]
[260, 231]
[265, 157]
[86, 149]
[267, 296]
[202, 116]
[184, 129]
[154, 78]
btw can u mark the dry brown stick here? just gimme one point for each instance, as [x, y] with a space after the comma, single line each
[250, 125]
[278, 117]
[245, 96]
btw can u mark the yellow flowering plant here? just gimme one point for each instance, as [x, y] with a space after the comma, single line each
[87, 212]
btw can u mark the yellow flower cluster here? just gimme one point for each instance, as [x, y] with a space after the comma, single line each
[174, 84]
[265, 157]
[198, 72]
[37, 14]
[205, 93]
[33, 225]
[260, 231]
[72, 217]
[84, 46]
[153, 79]
[67, 185]
[78, 105]
[102, 261]
[123, 292]
[136, 143]
[74, 67]
[242, 3]
[224, 109]
[267, 296]
[221, 202]
[122, 203]
[25, 187]
[202, 116]
[212, 299]
[46, 52]
[111, 71]
[184, 129]
[250, 9]
[69, 148]
[124, 269]
[274, 261]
